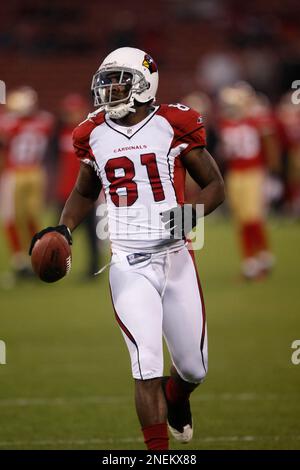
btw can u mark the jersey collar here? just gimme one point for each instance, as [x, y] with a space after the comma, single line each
[130, 131]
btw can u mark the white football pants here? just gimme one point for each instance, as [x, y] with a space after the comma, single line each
[159, 295]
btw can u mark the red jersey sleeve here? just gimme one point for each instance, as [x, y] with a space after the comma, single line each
[81, 138]
[187, 126]
[81, 141]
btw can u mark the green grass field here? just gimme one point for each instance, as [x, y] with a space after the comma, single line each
[67, 381]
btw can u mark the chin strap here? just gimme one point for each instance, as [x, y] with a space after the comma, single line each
[115, 112]
[120, 111]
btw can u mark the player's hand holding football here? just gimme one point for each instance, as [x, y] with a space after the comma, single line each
[179, 220]
[62, 229]
[50, 252]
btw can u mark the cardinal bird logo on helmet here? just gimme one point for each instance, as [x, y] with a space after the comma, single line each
[149, 63]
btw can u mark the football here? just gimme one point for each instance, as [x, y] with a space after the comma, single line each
[51, 257]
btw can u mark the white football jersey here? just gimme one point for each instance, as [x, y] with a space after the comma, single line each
[141, 170]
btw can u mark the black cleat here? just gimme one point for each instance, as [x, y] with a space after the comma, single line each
[180, 420]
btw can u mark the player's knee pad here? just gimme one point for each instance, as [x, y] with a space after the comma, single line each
[193, 372]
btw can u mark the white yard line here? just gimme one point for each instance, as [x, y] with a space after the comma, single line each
[130, 440]
[61, 401]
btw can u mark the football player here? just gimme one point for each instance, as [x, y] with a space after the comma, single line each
[250, 149]
[288, 114]
[24, 136]
[138, 152]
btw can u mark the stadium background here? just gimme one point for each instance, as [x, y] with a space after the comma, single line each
[67, 380]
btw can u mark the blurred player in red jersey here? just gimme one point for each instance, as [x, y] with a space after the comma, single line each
[73, 110]
[139, 152]
[249, 146]
[288, 114]
[24, 136]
